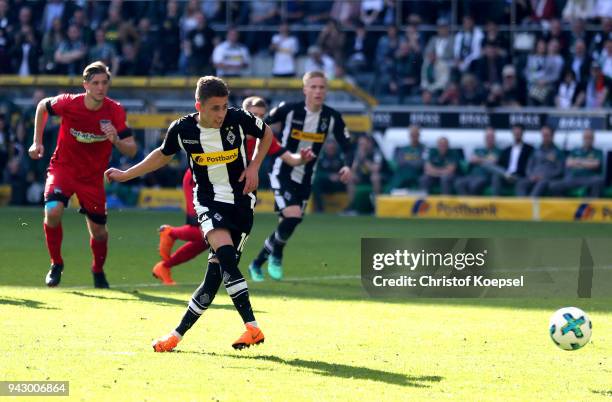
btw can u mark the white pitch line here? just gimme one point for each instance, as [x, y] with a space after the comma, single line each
[155, 285]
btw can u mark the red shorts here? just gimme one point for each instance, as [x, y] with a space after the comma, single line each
[61, 185]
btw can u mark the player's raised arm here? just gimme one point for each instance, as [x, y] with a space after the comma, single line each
[37, 149]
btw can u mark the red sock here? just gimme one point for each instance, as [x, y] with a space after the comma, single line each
[186, 233]
[53, 236]
[186, 252]
[99, 249]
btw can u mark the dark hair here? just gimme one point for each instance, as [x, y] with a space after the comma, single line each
[97, 67]
[519, 125]
[254, 101]
[546, 126]
[210, 87]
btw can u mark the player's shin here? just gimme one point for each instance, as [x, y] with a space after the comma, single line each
[201, 298]
[285, 229]
[235, 284]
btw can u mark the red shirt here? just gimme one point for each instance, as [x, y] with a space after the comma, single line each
[81, 145]
[275, 147]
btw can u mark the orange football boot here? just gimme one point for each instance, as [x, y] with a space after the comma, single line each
[252, 336]
[162, 272]
[167, 343]
[166, 242]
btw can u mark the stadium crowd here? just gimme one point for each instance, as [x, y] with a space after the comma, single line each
[554, 53]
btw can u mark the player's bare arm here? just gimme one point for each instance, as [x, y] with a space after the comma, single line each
[37, 149]
[295, 159]
[152, 162]
[127, 146]
[251, 173]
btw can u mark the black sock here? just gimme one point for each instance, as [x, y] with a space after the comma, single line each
[201, 298]
[285, 229]
[265, 251]
[234, 282]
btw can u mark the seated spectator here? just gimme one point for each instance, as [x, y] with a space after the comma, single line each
[545, 164]
[482, 163]
[435, 74]
[570, 93]
[580, 62]
[555, 32]
[538, 84]
[104, 51]
[488, 67]
[327, 180]
[201, 40]
[500, 41]
[440, 168]
[467, 44]
[512, 162]
[408, 162]
[360, 49]
[317, 61]
[470, 92]
[332, 40]
[366, 169]
[231, 58]
[129, 62]
[384, 58]
[262, 13]
[583, 168]
[441, 43]
[512, 93]
[540, 10]
[285, 47]
[578, 9]
[605, 59]
[71, 55]
[406, 70]
[597, 92]
[600, 37]
[25, 53]
[578, 32]
[554, 62]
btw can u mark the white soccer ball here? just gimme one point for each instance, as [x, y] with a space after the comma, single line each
[570, 328]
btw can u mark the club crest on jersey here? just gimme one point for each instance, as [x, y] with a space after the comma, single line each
[324, 124]
[230, 136]
[215, 158]
[218, 217]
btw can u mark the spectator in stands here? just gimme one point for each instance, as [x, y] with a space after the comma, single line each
[578, 32]
[540, 10]
[326, 180]
[470, 92]
[580, 62]
[360, 49]
[441, 43]
[555, 32]
[406, 71]
[129, 62]
[231, 58]
[545, 164]
[24, 19]
[71, 55]
[512, 162]
[578, 9]
[104, 52]
[599, 39]
[189, 20]
[79, 18]
[18, 166]
[50, 43]
[112, 24]
[332, 40]
[4, 15]
[440, 168]
[571, 93]
[512, 93]
[554, 62]
[53, 9]
[538, 84]
[201, 43]
[583, 168]
[435, 74]
[169, 46]
[317, 61]
[603, 9]
[25, 53]
[499, 40]
[370, 11]
[408, 161]
[488, 67]
[294, 11]
[5, 48]
[482, 164]
[384, 58]
[346, 12]
[147, 47]
[285, 47]
[597, 88]
[449, 97]
[467, 44]
[262, 13]
[316, 13]
[366, 169]
[605, 59]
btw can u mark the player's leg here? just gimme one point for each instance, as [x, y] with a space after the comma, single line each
[93, 205]
[57, 193]
[168, 235]
[187, 252]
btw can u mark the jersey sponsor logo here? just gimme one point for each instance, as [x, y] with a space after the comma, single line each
[303, 136]
[191, 141]
[215, 158]
[86, 138]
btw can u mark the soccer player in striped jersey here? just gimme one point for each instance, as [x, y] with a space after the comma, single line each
[190, 232]
[303, 124]
[224, 197]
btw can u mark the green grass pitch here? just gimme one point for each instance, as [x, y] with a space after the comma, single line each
[325, 339]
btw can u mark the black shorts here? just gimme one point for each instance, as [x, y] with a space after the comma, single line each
[291, 193]
[238, 220]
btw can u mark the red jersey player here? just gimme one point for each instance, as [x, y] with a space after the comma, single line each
[91, 124]
[190, 232]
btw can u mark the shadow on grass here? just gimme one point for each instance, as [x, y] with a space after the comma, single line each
[160, 300]
[602, 392]
[25, 303]
[341, 370]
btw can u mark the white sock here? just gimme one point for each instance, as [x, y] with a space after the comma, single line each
[177, 334]
[253, 323]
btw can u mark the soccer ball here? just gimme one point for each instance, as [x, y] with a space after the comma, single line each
[570, 328]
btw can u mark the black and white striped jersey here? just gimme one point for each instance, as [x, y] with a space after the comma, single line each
[217, 156]
[302, 128]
